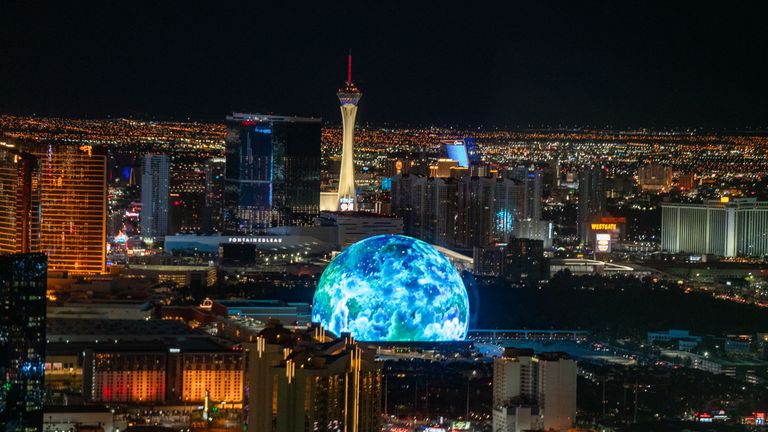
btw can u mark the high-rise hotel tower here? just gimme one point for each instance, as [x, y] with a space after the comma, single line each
[349, 96]
[20, 195]
[73, 207]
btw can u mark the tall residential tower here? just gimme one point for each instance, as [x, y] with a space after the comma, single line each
[154, 195]
[349, 96]
[20, 194]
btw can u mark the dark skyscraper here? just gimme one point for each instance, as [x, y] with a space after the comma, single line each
[523, 261]
[272, 172]
[22, 341]
[591, 200]
[474, 216]
[213, 212]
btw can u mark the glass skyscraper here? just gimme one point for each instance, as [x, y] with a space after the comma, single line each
[154, 195]
[22, 341]
[272, 172]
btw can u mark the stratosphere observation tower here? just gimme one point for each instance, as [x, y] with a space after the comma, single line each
[349, 96]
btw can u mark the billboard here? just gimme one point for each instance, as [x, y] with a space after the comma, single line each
[457, 151]
[603, 242]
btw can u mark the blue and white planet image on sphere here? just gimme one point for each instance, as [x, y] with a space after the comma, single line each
[392, 288]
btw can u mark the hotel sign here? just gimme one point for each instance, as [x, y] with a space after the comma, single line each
[346, 204]
[604, 227]
[259, 240]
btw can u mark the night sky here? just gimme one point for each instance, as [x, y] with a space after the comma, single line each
[635, 64]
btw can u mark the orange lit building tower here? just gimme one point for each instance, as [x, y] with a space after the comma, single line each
[20, 195]
[73, 208]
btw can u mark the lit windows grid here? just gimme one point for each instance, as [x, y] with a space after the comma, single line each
[73, 210]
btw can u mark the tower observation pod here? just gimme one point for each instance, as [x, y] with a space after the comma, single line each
[349, 96]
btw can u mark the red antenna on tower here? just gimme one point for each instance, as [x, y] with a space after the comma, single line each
[349, 66]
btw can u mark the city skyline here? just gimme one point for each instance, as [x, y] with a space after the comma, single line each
[192, 241]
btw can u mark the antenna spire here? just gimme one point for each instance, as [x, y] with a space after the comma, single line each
[349, 66]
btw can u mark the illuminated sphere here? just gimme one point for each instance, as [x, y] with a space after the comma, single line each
[392, 288]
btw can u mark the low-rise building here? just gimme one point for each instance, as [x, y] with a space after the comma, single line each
[142, 362]
[683, 338]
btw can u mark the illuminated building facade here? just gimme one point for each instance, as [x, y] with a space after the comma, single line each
[22, 341]
[443, 168]
[220, 374]
[726, 228]
[154, 195]
[73, 208]
[20, 195]
[654, 177]
[125, 377]
[272, 173]
[464, 151]
[508, 207]
[322, 383]
[141, 374]
[399, 167]
[349, 96]
[186, 198]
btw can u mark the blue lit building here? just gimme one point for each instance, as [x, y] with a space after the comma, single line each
[464, 151]
[22, 341]
[272, 173]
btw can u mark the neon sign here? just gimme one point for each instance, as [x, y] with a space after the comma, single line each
[603, 226]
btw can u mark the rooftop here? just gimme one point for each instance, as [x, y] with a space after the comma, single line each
[271, 118]
[117, 327]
